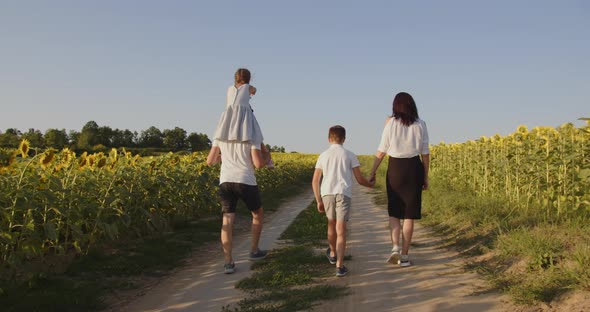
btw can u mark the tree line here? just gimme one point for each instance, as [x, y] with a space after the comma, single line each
[94, 138]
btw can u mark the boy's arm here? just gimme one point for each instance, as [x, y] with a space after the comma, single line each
[360, 178]
[315, 184]
[252, 90]
[214, 156]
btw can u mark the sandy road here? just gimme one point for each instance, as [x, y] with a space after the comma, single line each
[435, 282]
[202, 286]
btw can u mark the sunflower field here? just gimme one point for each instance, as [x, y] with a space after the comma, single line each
[543, 172]
[57, 202]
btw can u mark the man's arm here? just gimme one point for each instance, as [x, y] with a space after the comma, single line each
[360, 178]
[315, 184]
[257, 158]
[214, 156]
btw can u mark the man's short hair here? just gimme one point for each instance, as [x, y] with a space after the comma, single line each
[337, 134]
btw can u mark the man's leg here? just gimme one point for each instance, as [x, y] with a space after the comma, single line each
[340, 242]
[227, 228]
[257, 219]
[332, 236]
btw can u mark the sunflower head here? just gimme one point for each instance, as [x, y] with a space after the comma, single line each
[47, 158]
[522, 129]
[24, 148]
[91, 160]
[113, 155]
[101, 160]
[83, 160]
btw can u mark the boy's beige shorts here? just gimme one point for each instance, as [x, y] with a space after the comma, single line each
[337, 206]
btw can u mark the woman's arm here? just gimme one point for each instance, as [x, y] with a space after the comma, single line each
[378, 158]
[252, 90]
[426, 164]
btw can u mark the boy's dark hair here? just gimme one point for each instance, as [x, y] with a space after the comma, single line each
[242, 76]
[404, 108]
[337, 134]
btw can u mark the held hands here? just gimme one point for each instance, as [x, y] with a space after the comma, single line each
[372, 179]
[425, 186]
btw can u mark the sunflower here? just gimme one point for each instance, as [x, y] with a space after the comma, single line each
[24, 148]
[113, 155]
[47, 158]
[83, 160]
[91, 160]
[522, 129]
[66, 156]
[101, 160]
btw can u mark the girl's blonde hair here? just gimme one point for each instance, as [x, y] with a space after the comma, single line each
[242, 76]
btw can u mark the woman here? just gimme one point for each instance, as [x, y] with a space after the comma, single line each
[405, 141]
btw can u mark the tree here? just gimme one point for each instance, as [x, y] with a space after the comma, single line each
[123, 138]
[10, 138]
[152, 137]
[104, 136]
[175, 139]
[275, 149]
[56, 138]
[73, 138]
[198, 142]
[88, 136]
[35, 137]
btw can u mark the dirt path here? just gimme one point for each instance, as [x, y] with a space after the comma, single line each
[202, 286]
[435, 282]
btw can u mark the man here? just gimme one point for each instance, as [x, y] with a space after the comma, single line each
[237, 181]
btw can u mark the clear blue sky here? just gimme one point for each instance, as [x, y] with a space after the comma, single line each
[475, 68]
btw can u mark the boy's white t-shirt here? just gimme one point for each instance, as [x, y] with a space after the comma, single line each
[337, 163]
[236, 162]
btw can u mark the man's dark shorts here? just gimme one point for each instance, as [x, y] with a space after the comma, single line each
[230, 192]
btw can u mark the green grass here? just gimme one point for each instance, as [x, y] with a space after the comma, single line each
[530, 259]
[519, 253]
[104, 271]
[292, 278]
[85, 281]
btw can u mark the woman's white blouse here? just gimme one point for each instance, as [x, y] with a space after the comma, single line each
[401, 141]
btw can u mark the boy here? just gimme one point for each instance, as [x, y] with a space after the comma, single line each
[336, 165]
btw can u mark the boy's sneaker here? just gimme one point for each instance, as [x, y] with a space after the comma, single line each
[341, 271]
[394, 258]
[331, 259]
[229, 268]
[405, 261]
[258, 254]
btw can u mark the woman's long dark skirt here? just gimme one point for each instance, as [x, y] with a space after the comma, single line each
[405, 178]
